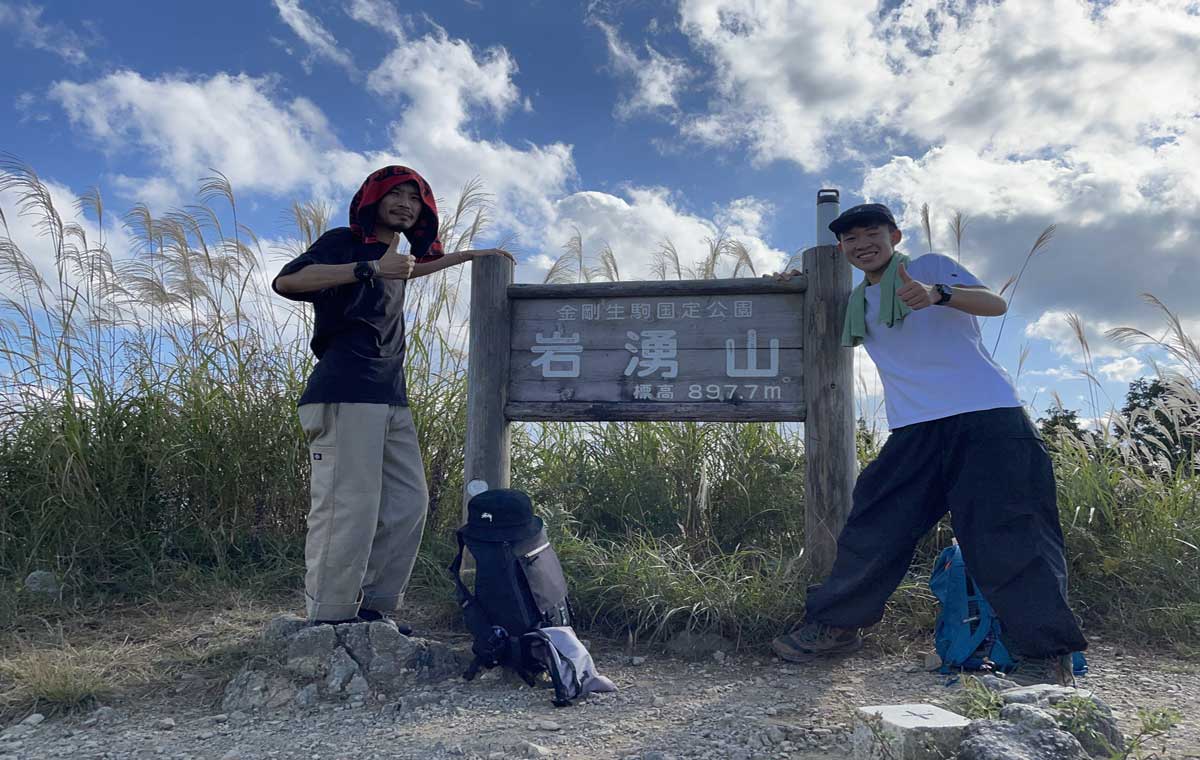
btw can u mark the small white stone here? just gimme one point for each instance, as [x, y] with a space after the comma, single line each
[907, 732]
[33, 720]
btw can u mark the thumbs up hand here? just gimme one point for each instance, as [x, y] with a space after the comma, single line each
[915, 294]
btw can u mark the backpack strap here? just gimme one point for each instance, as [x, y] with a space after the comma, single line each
[489, 640]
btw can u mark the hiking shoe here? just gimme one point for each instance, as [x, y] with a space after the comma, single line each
[813, 641]
[370, 616]
[1058, 671]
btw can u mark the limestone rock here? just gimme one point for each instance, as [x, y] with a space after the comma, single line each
[43, 583]
[252, 690]
[1028, 715]
[342, 669]
[1001, 740]
[906, 732]
[1091, 720]
[282, 628]
[309, 650]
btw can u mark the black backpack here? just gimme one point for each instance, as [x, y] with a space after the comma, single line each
[519, 583]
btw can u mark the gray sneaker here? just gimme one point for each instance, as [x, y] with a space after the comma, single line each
[813, 641]
[1057, 671]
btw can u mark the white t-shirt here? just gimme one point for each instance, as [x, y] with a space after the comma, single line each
[933, 363]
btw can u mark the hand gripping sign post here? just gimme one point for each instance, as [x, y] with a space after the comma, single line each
[739, 350]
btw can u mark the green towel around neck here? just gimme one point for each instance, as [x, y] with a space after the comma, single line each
[891, 309]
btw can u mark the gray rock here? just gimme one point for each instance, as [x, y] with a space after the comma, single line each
[1028, 716]
[391, 655]
[165, 724]
[1040, 694]
[307, 697]
[342, 668]
[282, 628]
[996, 683]
[252, 690]
[697, 646]
[33, 720]
[358, 685]
[43, 583]
[434, 661]
[1094, 727]
[309, 650]
[1000, 740]
[356, 639]
[529, 749]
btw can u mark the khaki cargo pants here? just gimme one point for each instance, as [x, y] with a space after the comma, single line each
[369, 500]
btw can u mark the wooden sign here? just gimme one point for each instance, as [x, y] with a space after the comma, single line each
[719, 350]
[698, 350]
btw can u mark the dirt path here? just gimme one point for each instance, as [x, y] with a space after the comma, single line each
[748, 705]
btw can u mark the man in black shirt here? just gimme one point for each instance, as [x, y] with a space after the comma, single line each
[369, 496]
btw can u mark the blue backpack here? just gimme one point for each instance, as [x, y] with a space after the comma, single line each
[967, 633]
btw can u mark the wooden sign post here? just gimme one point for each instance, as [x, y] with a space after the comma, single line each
[738, 350]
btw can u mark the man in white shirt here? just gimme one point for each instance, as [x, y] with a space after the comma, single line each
[960, 442]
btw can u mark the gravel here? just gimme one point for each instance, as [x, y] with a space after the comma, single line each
[743, 705]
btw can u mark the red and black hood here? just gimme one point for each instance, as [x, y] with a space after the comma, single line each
[422, 236]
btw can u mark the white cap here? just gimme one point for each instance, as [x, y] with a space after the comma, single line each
[476, 487]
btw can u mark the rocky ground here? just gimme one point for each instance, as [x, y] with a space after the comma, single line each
[735, 705]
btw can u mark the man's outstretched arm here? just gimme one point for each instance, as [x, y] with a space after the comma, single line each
[425, 268]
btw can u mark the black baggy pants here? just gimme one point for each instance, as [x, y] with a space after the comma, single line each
[991, 471]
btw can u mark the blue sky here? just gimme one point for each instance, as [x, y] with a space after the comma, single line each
[638, 121]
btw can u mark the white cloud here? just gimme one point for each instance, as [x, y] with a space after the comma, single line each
[788, 75]
[230, 123]
[439, 85]
[50, 37]
[1123, 370]
[319, 39]
[635, 226]
[380, 14]
[1020, 113]
[1056, 328]
[1055, 373]
[28, 229]
[1016, 77]
[657, 78]
[434, 89]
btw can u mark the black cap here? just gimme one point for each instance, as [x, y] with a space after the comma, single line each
[857, 216]
[503, 514]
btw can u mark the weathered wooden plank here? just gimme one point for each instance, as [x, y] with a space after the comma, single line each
[714, 320]
[830, 456]
[646, 412]
[487, 454]
[650, 288]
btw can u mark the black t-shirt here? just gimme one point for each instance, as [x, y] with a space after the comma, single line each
[358, 329]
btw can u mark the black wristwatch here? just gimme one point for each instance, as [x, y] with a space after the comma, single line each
[945, 292]
[364, 272]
